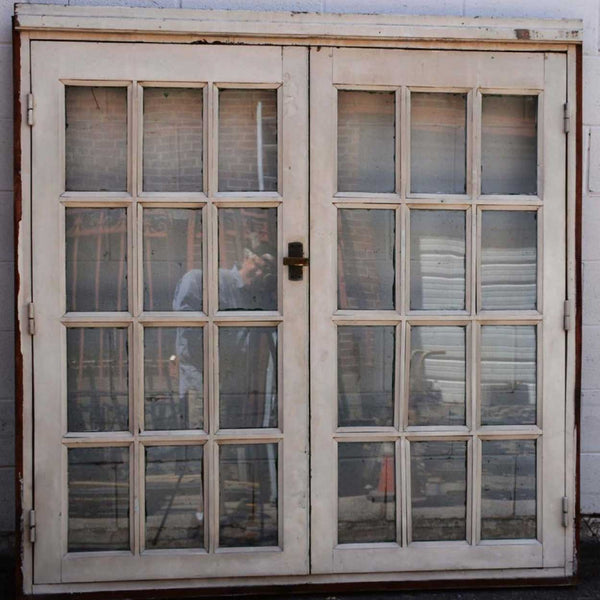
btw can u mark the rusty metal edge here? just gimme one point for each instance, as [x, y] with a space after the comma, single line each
[19, 398]
[578, 293]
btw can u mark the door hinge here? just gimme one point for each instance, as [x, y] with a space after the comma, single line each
[565, 511]
[32, 525]
[568, 315]
[31, 318]
[30, 109]
[566, 117]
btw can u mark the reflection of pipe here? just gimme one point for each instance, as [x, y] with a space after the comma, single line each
[259, 147]
[418, 372]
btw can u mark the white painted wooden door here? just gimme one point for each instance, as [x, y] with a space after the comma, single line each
[437, 288]
[171, 352]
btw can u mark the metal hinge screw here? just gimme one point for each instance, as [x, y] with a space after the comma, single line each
[30, 109]
[32, 525]
[568, 315]
[565, 511]
[31, 318]
[567, 117]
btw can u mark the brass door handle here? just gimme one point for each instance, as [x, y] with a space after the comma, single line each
[295, 261]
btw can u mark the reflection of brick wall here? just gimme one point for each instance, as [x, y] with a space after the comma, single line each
[238, 164]
[96, 138]
[172, 158]
[366, 141]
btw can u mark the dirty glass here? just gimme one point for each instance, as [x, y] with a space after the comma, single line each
[366, 141]
[366, 492]
[96, 138]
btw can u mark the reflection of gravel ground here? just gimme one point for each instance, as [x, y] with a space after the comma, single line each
[587, 589]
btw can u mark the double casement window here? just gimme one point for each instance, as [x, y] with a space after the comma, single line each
[203, 406]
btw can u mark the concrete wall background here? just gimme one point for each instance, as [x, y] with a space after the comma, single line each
[588, 10]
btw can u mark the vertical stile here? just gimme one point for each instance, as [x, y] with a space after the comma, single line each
[407, 492]
[469, 491]
[398, 150]
[399, 489]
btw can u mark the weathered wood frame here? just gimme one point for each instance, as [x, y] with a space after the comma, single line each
[37, 22]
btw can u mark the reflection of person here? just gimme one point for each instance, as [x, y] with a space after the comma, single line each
[252, 286]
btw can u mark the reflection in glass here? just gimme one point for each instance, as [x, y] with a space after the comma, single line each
[174, 497]
[365, 376]
[509, 259]
[172, 157]
[98, 499]
[437, 389]
[366, 493]
[508, 374]
[438, 490]
[508, 495]
[247, 377]
[248, 495]
[96, 138]
[247, 259]
[173, 378]
[437, 259]
[96, 259]
[97, 379]
[247, 140]
[366, 259]
[172, 248]
[366, 141]
[509, 144]
[438, 143]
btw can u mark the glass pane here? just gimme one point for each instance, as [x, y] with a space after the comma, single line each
[247, 140]
[97, 379]
[508, 495]
[96, 257]
[247, 377]
[365, 376]
[438, 143]
[174, 497]
[437, 259]
[173, 259]
[366, 142]
[248, 495]
[438, 490]
[248, 259]
[437, 390]
[508, 375]
[98, 499]
[172, 159]
[173, 378]
[509, 145]
[96, 138]
[366, 242]
[366, 493]
[508, 259]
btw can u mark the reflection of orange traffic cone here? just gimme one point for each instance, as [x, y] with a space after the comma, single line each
[386, 477]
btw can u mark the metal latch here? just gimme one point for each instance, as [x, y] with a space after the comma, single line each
[32, 525]
[295, 261]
